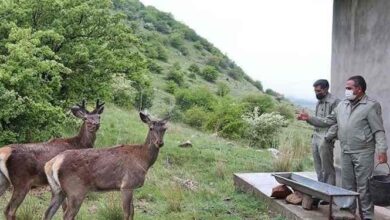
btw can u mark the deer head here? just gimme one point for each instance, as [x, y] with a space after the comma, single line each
[157, 129]
[91, 119]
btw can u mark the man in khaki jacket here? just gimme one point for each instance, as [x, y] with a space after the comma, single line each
[360, 131]
[323, 154]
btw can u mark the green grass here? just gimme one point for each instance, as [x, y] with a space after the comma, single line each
[184, 183]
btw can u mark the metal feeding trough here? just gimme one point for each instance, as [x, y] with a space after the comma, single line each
[332, 194]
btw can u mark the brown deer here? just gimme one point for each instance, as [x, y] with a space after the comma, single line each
[73, 173]
[22, 165]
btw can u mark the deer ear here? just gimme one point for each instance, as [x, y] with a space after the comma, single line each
[78, 112]
[144, 117]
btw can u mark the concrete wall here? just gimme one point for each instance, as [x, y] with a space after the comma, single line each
[361, 45]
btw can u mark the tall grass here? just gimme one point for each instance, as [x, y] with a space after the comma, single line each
[294, 149]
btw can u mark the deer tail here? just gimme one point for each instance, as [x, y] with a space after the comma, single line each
[51, 169]
[5, 152]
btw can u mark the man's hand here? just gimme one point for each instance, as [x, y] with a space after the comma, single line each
[303, 116]
[382, 158]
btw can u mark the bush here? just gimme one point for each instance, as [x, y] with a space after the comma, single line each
[236, 73]
[176, 40]
[176, 75]
[264, 103]
[171, 87]
[209, 73]
[262, 129]
[154, 67]
[123, 94]
[226, 119]
[194, 69]
[195, 117]
[286, 110]
[258, 85]
[222, 89]
[201, 97]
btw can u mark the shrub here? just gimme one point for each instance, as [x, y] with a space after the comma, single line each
[194, 68]
[226, 119]
[154, 67]
[195, 117]
[222, 89]
[201, 97]
[123, 94]
[176, 40]
[198, 45]
[236, 73]
[264, 102]
[176, 75]
[258, 85]
[261, 130]
[286, 110]
[171, 87]
[209, 73]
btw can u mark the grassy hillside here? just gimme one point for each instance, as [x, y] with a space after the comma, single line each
[169, 44]
[184, 183]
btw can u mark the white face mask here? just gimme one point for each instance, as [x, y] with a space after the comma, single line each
[349, 95]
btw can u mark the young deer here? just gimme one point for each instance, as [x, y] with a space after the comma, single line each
[22, 165]
[73, 173]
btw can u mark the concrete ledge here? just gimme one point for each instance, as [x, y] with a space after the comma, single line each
[261, 184]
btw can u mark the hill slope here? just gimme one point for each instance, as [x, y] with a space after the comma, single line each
[176, 51]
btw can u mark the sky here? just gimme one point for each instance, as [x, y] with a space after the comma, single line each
[283, 43]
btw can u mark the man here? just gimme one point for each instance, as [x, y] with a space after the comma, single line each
[323, 151]
[360, 131]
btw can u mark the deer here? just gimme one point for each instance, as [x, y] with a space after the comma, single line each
[74, 173]
[22, 165]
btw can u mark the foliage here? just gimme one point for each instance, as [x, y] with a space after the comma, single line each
[171, 86]
[176, 75]
[286, 110]
[258, 85]
[222, 89]
[194, 68]
[262, 128]
[209, 73]
[154, 67]
[196, 117]
[271, 92]
[226, 119]
[264, 103]
[123, 93]
[201, 97]
[53, 53]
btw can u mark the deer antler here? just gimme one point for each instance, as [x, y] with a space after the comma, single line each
[82, 106]
[98, 107]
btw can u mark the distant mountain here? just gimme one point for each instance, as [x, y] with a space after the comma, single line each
[304, 103]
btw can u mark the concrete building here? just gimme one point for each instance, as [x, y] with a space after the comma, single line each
[361, 46]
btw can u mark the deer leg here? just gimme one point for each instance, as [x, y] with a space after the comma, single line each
[56, 200]
[127, 204]
[4, 184]
[73, 206]
[17, 198]
[64, 205]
